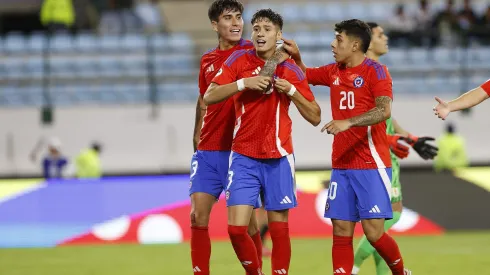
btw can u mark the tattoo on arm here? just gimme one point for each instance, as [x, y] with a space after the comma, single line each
[271, 64]
[375, 115]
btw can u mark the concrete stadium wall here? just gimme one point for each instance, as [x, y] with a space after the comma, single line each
[134, 142]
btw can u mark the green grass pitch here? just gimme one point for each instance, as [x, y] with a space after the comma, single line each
[453, 253]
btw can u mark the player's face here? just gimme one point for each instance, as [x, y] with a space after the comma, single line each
[379, 41]
[265, 35]
[229, 26]
[343, 47]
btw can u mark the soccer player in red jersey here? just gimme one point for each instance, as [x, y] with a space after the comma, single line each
[360, 185]
[262, 151]
[467, 100]
[213, 134]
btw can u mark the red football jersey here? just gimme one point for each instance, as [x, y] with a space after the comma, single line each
[486, 87]
[219, 120]
[352, 93]
[263, 126]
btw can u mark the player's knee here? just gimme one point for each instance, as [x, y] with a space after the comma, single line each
[343, 228]
[373, 232]
[199, 218]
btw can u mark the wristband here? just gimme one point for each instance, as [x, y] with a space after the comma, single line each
[241, 84]
[292, 91]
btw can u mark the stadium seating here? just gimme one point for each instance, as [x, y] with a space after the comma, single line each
[91, 69]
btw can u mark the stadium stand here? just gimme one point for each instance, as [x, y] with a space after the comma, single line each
[83, 68]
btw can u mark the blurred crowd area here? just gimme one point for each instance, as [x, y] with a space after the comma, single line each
[78, 52]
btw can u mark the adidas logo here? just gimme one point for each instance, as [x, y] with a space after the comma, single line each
[336, 82]
[395, 262]
[340, 271]
[375, 209]
[196, 269]
[246, 262]
[286, 200]
[281, 271]
[257, 71]
[210, 68]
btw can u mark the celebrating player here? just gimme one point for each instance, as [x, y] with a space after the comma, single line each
[213, 134]
[360, 186]
[378, 48]
[262, 150]
[467, 100]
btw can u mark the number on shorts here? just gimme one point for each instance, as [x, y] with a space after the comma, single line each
[332, 191]
[230, 179]
[194, 168]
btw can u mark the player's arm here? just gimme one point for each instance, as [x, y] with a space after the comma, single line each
[293, 50]
[200, 112]
[419, 144]
[279, 56]
[217, 93]
[307, 106]
[380, 113]
[467, 100]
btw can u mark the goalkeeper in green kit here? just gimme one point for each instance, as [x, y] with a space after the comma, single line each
[397, 136]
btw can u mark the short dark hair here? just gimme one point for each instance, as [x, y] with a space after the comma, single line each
[372, 25]
[220, 6]
[96, 146]
[273, 16]
[358, 29]
[450, 128]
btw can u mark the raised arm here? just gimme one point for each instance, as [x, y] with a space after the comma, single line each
[292, 49]
[467, 100]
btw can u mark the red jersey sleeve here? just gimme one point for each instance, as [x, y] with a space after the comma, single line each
[228, 72]
[381, 82]
[202, 81]
[319, 75]
[294, 75]
[486, 87]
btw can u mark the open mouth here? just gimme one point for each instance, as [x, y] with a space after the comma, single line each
[235, 31]
[260, 42]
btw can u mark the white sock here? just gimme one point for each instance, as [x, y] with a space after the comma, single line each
[355, 270]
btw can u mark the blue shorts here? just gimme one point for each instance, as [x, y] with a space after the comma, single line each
[209, 173]
[247, 177]
[355, 195]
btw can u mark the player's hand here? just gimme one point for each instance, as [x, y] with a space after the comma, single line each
[282, 85]
[400, 150]
[442, 109]
[420, 145]
[258, 83]
[336, 126]
[292, 48]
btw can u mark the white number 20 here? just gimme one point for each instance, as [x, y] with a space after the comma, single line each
[349, 97]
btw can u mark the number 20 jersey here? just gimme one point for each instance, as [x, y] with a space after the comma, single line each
[353, 92]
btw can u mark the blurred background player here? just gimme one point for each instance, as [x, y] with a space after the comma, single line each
[262, 152]
[467, 100]
[87, 163]
[360, 185]
[452, 151]
[395, 133]
[54, 163]
[213, 134]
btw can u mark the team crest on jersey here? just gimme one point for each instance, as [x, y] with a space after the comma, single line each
[358, 82]
[220, 71]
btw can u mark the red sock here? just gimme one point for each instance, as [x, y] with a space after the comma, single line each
[388, 250]
[342, 255]
[245, 249]
[200, 249]
[258, 246]
[281, 247]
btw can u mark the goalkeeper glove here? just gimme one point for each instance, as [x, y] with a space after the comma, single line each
[420, 145]
[400, 150]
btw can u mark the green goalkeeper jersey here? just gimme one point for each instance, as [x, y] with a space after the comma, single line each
[396, 194]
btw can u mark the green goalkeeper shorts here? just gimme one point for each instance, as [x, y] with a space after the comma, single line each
[396, 188]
